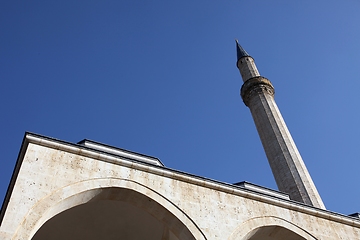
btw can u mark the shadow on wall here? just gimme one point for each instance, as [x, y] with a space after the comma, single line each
[115, 214]
[107, 209]
[269, 228]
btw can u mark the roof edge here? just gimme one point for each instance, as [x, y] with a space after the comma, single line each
[173, 174]
[14, 175]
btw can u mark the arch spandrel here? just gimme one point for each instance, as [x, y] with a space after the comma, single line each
[269, 227]
[104, 191]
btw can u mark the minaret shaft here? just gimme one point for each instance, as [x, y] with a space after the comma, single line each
[288, 168]
[247, 68]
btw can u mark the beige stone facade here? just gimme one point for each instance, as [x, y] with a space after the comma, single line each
[61, 190]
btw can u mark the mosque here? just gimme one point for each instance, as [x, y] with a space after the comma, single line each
[89, 190]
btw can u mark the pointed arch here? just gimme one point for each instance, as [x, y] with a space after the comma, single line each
[249, 229]
[92, 190]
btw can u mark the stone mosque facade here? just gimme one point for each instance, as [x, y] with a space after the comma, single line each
[89, 190]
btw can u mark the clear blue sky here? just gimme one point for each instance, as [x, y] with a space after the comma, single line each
[159, 78]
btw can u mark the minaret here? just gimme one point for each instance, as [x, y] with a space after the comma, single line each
[288, 168]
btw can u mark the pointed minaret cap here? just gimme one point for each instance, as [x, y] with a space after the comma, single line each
[240, 51]
[247, 68]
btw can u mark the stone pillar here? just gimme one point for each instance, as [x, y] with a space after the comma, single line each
[288, 168]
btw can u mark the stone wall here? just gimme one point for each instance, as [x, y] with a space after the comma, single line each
[56, 176]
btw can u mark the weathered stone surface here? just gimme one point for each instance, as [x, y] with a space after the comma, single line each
[247, 68]
[286, 163]
[55, 178]
[288, 168]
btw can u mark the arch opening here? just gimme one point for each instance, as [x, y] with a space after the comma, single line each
[270, 228]
[272, 232]
[115, 213]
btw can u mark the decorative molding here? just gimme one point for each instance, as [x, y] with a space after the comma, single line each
[255, 86]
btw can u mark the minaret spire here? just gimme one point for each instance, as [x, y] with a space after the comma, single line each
[245, 63]
[240, 51]
[288, 168]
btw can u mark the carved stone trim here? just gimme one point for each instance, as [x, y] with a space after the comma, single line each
[254, 86]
